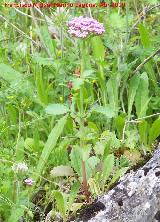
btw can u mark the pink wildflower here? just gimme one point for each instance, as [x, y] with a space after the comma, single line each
[82, 27]
[29, 181]
[70, 84]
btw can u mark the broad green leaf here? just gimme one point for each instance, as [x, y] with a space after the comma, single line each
[73, 194]
[98, 48]
[147, 44]
[99, 147]
[154, 132]
[20, 150]
[133, 86]
[113, 91]
[77, 83]
[108, 165]
[61, 171]
[94, 187]
[142, 96]
[30, 145]
[119, 124]
[108, 111]
[9, 74]
[145, 38]
[90, 166]
[143, 131]
[88, 73]
[117, 175]
[50, 144]
[56, 109]
[16, 213]
[76, 160]
[132, 138]
[43, 61]
[41, 85]
[60, 203]
[46, 39]
[85, 151]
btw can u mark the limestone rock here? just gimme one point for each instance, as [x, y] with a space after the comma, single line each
[136, 198]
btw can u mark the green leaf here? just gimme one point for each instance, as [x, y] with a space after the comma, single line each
[98, 48]
[77, 83]
[73, 194]
[16, 213]
[132, 138]
[90, 166]
[147, 44]
[94, 186]
[76, 160]
[60, 203]
[154, 132]
[145, 38]
[119, 124]
[42, 88]
[56, 109]
[50, 144]
[108, 165]
[112, 90]
[133, 86]
[117, 175]
[143, 131]
[43, 61]
[108, 111]
[88, 73]
[142, 96]
[9, 74]
[46, 39]
[61, 171]
[20, 150]
[85, 151]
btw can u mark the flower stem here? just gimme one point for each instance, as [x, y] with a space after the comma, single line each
[82, 142]
[103, 86]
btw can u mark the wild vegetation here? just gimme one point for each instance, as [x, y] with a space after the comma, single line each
[76, 111]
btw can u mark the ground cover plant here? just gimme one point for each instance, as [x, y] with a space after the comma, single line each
[79, 103]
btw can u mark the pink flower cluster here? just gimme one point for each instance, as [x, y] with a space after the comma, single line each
[29, 181]
[82, 27]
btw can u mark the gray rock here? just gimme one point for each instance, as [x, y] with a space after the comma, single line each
[136, 198]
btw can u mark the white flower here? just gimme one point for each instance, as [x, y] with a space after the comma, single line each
[20, 167]
[22, 47]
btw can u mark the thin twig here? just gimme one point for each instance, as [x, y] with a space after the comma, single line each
[136, 121]
[146, 60]
[22, 13]
[20, 31]
[142, 14]
[145, 117]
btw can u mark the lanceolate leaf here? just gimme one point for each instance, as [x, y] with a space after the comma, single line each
[112, 90]
[142, 96]
[61, 171]
[9, 74]
[143, 132]
[117, 174]
[60, 203]
[108, 111]
[50, 144]
[98, 48]
[133, 86]
[154, 131]
[90, 166]
[108, 165]
[56, 109]
[74, 190]
[147, 44]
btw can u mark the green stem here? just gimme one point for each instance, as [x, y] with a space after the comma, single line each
[82, 142]
[102, 84]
